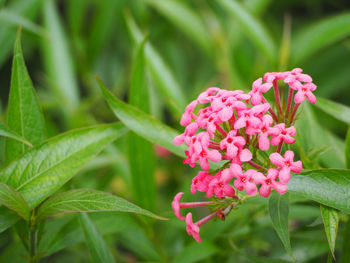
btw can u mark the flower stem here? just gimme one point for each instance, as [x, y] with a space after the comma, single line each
[289, 103]
[221, 130]
[255, 165]
[273, 114]
[32, 245]
[277, 96]
[206, 219]
[294, 112]
[194, 204]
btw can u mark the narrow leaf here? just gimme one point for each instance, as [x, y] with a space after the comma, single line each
[330, 219]
[24, 114]
[141, 155]
[330, 187]
[97, 246]
[7, 132]
[141, 123]
[252, 27]
[160, 71]
[58, 60]
[347, 149]
[185, 19]
[44, 169]
[279, 212]
[336, 110]
[319, 35]
[87, 200]
[10, 198]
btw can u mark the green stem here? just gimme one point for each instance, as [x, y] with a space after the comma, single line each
[32, 245]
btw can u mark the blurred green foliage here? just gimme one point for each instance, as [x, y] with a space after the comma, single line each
[189, 46]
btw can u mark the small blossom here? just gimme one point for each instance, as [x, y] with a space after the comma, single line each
[257, 90]
[269, 182]
[284, 134]
[190, 130]
[192, 228]
[200, 182]
[232, 144]
[187, 117]
[176, 206]
[305, 91]
[297, 75]
[219, 186]
[244, 180]
[251, 117]
[286, 164]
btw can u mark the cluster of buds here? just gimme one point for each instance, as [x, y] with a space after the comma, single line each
[244, 135]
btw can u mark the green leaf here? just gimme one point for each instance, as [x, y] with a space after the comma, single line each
[88, 200]
[319, 35]
[44, 169]
[255, 259]
[279, 211]
[330, 219]
[336, 110]
[345, 255]
[58, 60]
[97, 246]
[251, 27]
[141, 155]
[347, 149]
[24, 114]
[10, 198]
[160, 71]
[141, 123]
[196, 252]
[330, 187]
[7, 132]
[7, 218]
[185, 19]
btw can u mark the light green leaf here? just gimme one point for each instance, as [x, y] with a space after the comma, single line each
[330, 187]
[252, 27]
[185, 19]
[319, 35]
[160, 71]
[330, 219]
[336, 110]
[196, 252]
[24, 114]
[141, 155]
[347, 149]
[7, 218]
[10, 198]
[345, 255]
[279, 212]
[88, 200]
[58, 60]
[97, 246]
[141, 123]
[7, 132]
[44, 169]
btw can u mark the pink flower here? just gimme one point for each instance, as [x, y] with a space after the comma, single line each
[269, 182]
[232, 144]
[305, 91]
[251, 117]
[244, 180]
[224, 107]
[296, 75]
[190, 130]
[284, 134]
[274, 76]
[264, 131]
[286, 164]
[188, 115]
[208, 95]
[176, 205]
[219, 186]
[257, 90]
[200, 182]
[192, 228]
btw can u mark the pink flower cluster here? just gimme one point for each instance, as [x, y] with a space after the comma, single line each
[245, 135]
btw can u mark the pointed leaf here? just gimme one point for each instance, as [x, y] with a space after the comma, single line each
[10, 198]
[330, 187]
[330, 219]
[44, 169]
[97, 246]
[88, 200]
[7, 132]
[160, 71]
[141, 123]
[252, 27]
[279, 212]
[336, 110]
[141, 155]
[319, 35]
[24, 114]
[58, 60]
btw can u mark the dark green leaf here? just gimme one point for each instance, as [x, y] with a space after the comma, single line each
[141, 156]
[7, 218]
[10, 198]
[330, 219]
[347, 149]
[319, 35]
[345, 255]
[88, 200]
[252, 27]
[7, 132]
[24, 113]
[44, 169]
[279, 212]
[196, 252]
[336, 110]
[330, 187]
[58, 60]
[141, 123]
[97, 246]
[160, 71]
